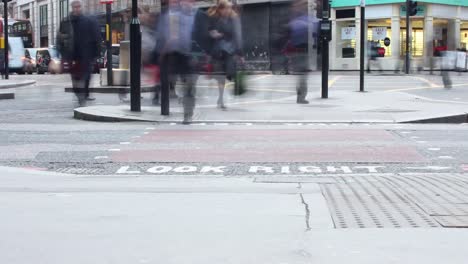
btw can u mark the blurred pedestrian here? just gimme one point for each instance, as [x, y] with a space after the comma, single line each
[78, 40]
[447, 65]
[226, 50]
[375, 52]
[151, 70]
[298, 27]
[173, 45]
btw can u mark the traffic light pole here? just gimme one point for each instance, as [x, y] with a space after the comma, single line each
[110, 81]
[408, 38]
[5, 33]
[363, 46]
[325, 30]
[135, 60]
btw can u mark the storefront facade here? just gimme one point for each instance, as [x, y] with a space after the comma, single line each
[439, 25]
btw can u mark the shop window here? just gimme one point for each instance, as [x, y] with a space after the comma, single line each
[417, 43]
[379, 42]
[345, 13]
[346, 43]
[464, 39]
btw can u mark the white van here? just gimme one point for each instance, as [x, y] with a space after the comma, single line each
[16, 55]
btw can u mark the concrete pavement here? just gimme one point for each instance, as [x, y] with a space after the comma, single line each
[7, 87]
[58, 218]
[272, 100]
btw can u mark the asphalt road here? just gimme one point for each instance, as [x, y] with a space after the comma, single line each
[38, 130]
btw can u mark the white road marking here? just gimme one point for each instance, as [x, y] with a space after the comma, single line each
[150, 128]
[421, 142]
[414, 137]
[446, 157]
[434, 149]
[136, 136]
[114, 150]
[101, 157]
[124, 143]
[406, 132]
[146, 133]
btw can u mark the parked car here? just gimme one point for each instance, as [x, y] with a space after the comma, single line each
[56, 65]
[42, 60]
[16, 55]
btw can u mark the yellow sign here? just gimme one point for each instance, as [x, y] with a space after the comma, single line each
[107, 32]
[2, 43]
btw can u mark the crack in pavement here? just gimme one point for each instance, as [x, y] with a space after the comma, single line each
[307, 210]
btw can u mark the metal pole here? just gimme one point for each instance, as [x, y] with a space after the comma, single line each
[5, 32]
[135, 60]
[325, 49]
[110, 81]
[363, 47]
[408, 38]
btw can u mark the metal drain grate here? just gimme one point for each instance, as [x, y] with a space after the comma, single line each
[371, 202]
[79, 171]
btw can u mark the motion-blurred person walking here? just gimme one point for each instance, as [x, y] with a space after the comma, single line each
[174, 44]
[298, 28]
[226, 51]
[151, 72]
[78, 40]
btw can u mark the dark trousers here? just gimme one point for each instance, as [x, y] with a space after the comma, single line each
[81, 76]
[176, 65]
[300, 65]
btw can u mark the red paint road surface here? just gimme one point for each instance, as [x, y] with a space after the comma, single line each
[219, 146]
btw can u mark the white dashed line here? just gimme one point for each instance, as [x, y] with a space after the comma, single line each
[446, 157]
[406, 132]
[173, 124]
[434, 149]
[150, 128]
[114, 150]
[136, 136]
[146, 133]
[414, 137]
[421, 142]
[101, 157]
[124, 143]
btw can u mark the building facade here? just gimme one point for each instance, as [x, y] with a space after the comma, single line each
[438, 25]
[45, 16]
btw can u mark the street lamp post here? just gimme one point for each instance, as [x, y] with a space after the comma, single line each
[5, 35]
[363, 44]
[110, 78]
[135, 60]
[408, 38]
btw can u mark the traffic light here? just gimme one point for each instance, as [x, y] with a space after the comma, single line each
[413, 8]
